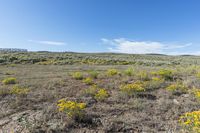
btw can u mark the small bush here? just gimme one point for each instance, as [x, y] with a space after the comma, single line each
[91, 91]
[88, 81]
[196, 93]
[143, 75]
[94, 74]
[72, 109]
[165, 74]
[131, 89]
[112, 72]
[18, 90]
[77, 75]
[177, 88]
[101, 95]
[129, 72]
[153, 84]
[9, 81]
[190, 122]
[198, 75]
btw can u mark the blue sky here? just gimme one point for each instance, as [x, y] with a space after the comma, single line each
[127, 26]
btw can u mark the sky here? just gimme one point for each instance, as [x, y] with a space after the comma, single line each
[125, 26]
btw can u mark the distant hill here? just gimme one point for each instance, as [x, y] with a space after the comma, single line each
[13, 50]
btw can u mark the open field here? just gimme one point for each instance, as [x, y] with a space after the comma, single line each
[118, 93]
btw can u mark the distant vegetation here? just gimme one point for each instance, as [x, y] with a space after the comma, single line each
[64, 58]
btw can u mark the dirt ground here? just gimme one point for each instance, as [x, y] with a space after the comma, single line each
[153, 111]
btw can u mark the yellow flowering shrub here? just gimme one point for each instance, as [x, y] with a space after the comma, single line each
[88, 81]
[132, 89]
[71, 108]
[77, 75]
[165, 74]
[101, 95]
[112, 72]
[196, 93]
[9, 81]
[190, 121]
[177, 88]
[18, 90]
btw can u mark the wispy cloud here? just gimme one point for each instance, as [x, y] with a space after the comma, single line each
[55, 43]
[122, 45]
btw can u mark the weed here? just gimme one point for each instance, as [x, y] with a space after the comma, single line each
[8, 81]
[153, 84]
[129, 72]
[165, 74]
[91, 91]
[77, 75]
[94, 74]
[88, 81]
[143, 75]
[177, 88]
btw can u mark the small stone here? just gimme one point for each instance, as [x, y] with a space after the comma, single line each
[175, 101]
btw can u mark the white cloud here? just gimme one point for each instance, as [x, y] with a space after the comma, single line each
[122, 45]
[55, 43]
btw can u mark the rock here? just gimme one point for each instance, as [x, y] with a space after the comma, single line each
[175, 102]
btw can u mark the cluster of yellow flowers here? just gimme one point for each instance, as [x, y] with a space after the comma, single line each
[190, 121]
[101, 95]
[18, 90]
[177, 87]
[112, 72]
[196, 93]
[71, 108]
[133, 88]
[164, 73]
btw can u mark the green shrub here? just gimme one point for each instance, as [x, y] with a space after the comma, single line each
[129, 71]
[94, 74]
[88, 81]
[9, 81]
[112, 72]
[143, 75]
[165, 74]
[153, 84]
[91, 91]
[177, 88]
[77, 75]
